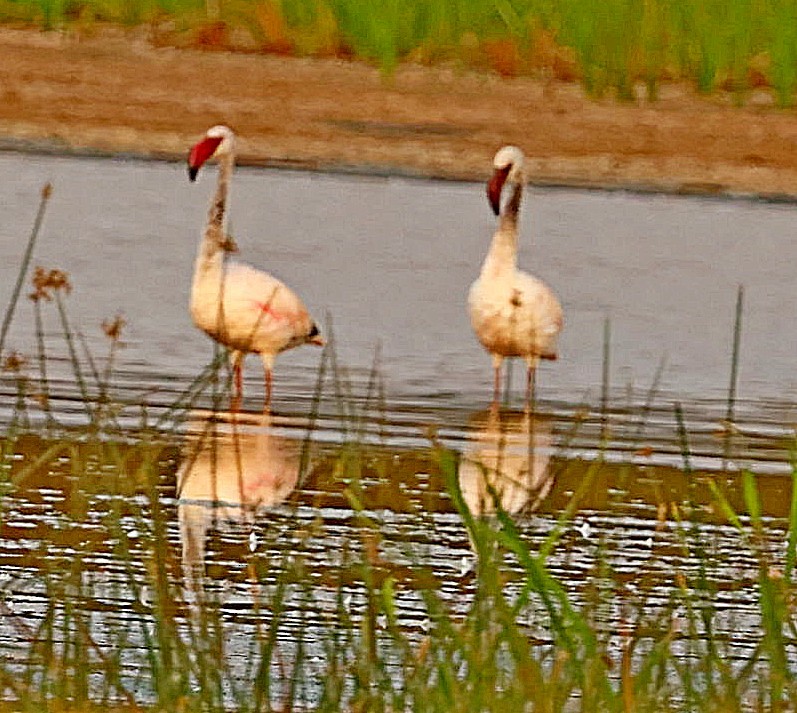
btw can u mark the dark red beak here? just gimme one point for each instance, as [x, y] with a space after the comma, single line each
[201, 153]
[495, 186]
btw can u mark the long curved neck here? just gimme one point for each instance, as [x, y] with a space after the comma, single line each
[503, 249]
[212, 248]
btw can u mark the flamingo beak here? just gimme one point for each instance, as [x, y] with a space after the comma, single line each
[495, 186]
[200, 153]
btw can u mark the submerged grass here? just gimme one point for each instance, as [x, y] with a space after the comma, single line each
[608, 45]
[104, 616]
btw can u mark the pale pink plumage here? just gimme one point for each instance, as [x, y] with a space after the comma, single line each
[245, 309]
[512, 313]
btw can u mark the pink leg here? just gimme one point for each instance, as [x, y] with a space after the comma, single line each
[268, 390]
[239, 379]
[531, 376]
[498, 360]
[238, 385]
[530, 389]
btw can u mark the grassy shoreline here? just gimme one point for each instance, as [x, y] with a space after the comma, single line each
[516, 636]
[609, 48]
[82, 93]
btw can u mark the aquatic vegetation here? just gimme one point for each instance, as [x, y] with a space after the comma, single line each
[371, 625]
[613, 45]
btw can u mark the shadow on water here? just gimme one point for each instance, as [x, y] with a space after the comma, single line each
[237, 466]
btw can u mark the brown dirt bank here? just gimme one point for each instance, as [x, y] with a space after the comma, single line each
[116, 93]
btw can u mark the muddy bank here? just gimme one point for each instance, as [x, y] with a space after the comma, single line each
[116, 93]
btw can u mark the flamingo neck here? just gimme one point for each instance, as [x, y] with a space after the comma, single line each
[212, 248]
[502, 255]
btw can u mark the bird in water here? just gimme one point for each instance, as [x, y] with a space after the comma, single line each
[243, 308]
[513, 313]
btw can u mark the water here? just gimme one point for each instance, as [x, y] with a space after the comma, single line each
[390, 261]
[387, 264]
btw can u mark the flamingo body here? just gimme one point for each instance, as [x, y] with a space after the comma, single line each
[248, 310]
[515, 315]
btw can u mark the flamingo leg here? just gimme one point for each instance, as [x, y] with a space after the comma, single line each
[268, 369]
[238, 381]
[530, 381]
[269, 380]
[531, 374]
[497, 361]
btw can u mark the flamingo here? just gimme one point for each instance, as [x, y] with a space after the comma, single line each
[512, 313]
[244, 309]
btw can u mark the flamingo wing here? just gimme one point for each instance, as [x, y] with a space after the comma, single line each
[262, 313]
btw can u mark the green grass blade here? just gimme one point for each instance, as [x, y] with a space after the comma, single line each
[23, 268]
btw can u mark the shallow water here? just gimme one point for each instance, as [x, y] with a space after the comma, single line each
[390, 260]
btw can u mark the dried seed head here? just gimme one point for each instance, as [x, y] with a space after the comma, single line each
[59, 280]
[113, 327]
[39, 280]
[13, 362]
[46, 280]
[47, 190]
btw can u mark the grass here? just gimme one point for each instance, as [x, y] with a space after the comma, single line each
[315, 614]
[521, 639]
[612, 46]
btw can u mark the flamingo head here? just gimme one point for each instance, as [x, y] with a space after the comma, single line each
[507, 166]
[218, 141]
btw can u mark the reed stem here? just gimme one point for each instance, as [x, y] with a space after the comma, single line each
[737, 338]
[46, 192]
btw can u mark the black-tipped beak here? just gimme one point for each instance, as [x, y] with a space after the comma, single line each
[495, 186]
[494, 196]
[192, 172]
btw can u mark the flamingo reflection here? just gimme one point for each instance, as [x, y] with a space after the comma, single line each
[234, 465]
[506, 463]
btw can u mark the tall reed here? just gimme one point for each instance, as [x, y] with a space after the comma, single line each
[25, 264]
